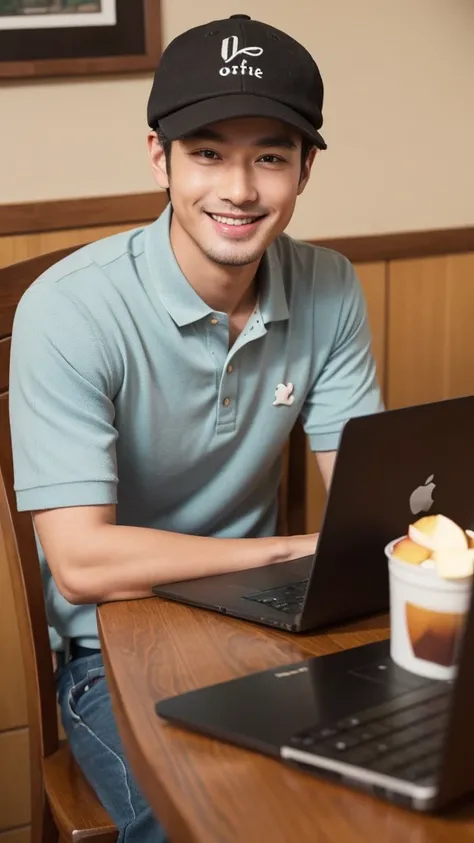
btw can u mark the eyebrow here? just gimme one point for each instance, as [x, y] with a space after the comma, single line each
[281, 141]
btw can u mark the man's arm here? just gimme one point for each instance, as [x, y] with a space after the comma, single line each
[326, 461]
[93, 560]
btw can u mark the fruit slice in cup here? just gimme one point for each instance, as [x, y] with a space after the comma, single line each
[436, 533]
[408, 551]
[454, 564]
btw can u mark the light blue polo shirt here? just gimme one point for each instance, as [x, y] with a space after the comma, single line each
[124, 390]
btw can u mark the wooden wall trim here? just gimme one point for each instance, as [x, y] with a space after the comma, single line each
[409, 244]
[57, 215]
[35, 217]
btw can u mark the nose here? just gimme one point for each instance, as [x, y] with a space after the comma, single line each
[237, 186]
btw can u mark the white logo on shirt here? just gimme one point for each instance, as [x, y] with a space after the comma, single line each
[283, 395]
[230, 51]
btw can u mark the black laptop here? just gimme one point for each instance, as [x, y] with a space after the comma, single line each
[391, 468]
[353, 717]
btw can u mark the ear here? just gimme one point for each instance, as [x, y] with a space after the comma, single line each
[306, 171]
[158, 161]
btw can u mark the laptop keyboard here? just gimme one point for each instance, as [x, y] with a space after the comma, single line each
[285, 598]
[402, 737]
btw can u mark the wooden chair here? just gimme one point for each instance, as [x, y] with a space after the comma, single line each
[63, 805]
[62, 802]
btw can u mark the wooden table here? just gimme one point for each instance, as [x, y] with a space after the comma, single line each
[206, 791]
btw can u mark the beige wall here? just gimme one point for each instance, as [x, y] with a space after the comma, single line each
[399, 120]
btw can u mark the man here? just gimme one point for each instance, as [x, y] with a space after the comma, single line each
[156, 375]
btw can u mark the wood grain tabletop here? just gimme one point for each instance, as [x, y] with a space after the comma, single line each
[208, 791]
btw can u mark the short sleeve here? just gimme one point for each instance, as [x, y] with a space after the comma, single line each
[347, 385]
[61, 404]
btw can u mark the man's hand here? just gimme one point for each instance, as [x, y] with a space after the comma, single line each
[93, 560]
[302, 545]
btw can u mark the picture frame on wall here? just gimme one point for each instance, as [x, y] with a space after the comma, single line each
[41, 38]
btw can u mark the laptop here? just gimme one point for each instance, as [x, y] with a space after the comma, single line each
[391, 468]
[353, 717]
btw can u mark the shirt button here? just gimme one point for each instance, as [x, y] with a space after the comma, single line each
[226, 402]
[230, 368]
[214, 321]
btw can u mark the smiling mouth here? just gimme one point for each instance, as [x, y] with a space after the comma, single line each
[235, 221]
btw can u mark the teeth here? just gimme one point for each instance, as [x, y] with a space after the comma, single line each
[232, 220]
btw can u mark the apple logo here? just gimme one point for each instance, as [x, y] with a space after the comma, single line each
[421, 499]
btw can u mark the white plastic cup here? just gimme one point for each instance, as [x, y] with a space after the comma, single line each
[427, 616]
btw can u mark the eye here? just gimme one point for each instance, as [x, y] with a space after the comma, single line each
[207, 154]
[272, 159]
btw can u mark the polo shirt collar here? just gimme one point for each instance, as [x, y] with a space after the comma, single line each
[176, 294]
[181, 300]
[272, 295]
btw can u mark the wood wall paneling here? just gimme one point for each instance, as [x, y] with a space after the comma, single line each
[430, 337]
[373, 277]
[14, 779]
[16, 835]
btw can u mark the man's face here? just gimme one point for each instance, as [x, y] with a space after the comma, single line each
[233, 186]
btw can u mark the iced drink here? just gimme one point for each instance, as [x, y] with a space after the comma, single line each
[430, 588]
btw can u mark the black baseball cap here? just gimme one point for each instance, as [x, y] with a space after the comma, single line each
[236, 67]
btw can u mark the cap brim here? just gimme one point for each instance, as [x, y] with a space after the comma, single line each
[204, 113]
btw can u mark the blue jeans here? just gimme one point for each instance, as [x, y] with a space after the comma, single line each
[89, 724]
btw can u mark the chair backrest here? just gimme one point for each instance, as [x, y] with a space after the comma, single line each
[20, 545]
[21, 553]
